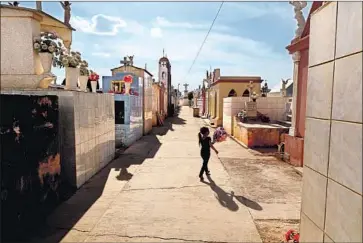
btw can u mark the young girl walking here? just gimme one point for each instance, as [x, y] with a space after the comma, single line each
[205, 142]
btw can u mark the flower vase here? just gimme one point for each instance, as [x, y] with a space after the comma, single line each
[94, 86]
[83, 80]
[46, 59]
[72, 75]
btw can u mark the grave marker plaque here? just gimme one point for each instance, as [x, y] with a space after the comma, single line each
[251, 109]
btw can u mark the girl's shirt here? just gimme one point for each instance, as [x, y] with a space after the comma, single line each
[205, 144]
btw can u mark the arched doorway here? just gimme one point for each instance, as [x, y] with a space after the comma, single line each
[232, 93]
[246, 93]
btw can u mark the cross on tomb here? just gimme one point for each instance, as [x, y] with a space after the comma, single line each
[124, 62]
[250, 89]
[186, 87]
[128, 61]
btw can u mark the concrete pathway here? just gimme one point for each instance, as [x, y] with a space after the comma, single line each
[152, 193]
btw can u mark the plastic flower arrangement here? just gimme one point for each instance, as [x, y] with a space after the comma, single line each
[84, 68]
[292, 236]
[48, 42]
[68, 59]
[128, 79]
[242, 116]
[220, 135]
[94, 76]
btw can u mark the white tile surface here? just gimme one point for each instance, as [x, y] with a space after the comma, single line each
[319, 91]
[345, 160]
[349, 27]
[313, 196]
[343, 214]
[322, 34]
[347, 97]
[316, 144]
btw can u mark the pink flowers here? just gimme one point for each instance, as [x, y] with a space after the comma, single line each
[220, 135]
[94, 77]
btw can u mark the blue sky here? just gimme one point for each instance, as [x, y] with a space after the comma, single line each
[248, 38]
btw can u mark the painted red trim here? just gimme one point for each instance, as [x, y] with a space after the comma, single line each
[301, 44]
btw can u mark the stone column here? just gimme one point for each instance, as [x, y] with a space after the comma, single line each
[296, 59]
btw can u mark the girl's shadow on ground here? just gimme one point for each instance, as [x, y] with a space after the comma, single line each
[226, 199]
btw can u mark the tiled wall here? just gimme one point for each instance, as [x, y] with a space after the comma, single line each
[332, 181]
[94, 118]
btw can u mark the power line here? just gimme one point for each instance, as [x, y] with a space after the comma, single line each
[205, 39]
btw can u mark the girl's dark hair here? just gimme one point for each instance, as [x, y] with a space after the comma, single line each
[203, 131]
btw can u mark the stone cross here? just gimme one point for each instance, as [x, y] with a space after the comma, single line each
[131, 60]
[298, 7]
[186, 87]
[67, 12]
[128, 61]
[39, 5]
[250, 89]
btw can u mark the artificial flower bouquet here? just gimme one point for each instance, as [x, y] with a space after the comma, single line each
[48, 42]
[71, 59]
[84, 68]
[93, 76]
[219, 135]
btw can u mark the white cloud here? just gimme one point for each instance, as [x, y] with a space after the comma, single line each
[101, 54]
[156, 32]
[91, 26]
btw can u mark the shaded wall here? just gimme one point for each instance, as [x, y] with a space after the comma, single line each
[301, 93]
[332, 182]
[155, 103]
[30, 161]
[87, 132]
[148, 103]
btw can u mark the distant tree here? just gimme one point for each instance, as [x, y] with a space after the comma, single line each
[190, 96]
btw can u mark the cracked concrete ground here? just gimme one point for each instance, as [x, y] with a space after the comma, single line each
[152, 193]
[271, 189]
